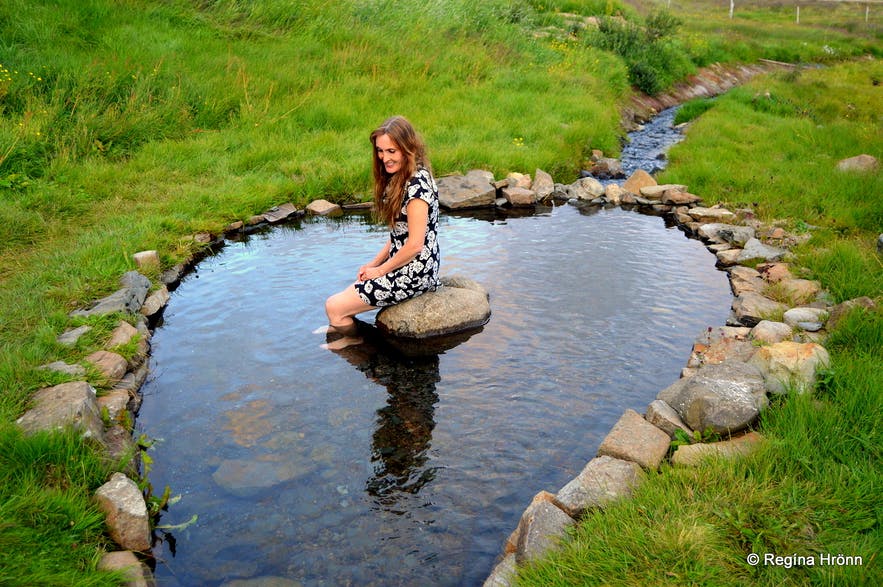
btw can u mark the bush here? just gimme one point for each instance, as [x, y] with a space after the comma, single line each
[655, 60]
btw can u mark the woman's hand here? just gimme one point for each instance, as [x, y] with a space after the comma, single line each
[366, 272]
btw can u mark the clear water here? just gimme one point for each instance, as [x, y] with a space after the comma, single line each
[366, 467]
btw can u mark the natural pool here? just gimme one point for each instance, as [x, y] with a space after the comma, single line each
[365, 467]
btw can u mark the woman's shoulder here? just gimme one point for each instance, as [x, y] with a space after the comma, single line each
[422, 180]
[422, 174]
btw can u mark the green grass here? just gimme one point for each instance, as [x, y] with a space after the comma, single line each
[48, 523]
[127, 126]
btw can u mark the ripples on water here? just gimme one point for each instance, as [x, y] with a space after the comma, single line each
[369, 468]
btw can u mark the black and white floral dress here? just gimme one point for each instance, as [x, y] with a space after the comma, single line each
[421, 273]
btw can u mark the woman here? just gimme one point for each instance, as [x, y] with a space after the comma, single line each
[406, 199]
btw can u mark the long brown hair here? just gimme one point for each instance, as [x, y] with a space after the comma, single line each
[389, 190]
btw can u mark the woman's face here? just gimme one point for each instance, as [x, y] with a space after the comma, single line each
[389, 154]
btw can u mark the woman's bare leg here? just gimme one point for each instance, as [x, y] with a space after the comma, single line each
[341, 307]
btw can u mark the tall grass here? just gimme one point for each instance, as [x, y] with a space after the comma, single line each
[49, 522]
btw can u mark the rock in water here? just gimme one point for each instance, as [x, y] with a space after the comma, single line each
[459, 304]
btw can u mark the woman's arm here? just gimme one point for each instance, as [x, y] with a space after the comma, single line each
[382, 256]
[418, 219]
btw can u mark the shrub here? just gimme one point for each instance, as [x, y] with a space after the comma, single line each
[654, 58]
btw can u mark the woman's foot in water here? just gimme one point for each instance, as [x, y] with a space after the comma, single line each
[341, 343]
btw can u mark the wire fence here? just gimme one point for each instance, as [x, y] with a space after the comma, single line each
[863, 8]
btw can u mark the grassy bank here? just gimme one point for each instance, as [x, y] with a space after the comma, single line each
[814, 488]
[131, 125]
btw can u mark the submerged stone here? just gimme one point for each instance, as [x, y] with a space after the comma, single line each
[246, 478]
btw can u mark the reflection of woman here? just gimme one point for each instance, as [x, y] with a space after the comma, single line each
[403, 434]
[406, 199]
[404, 426]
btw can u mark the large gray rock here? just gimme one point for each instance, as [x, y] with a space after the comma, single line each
[757, 251]
[859, 163]
[725, 397]
[585, 188]
[67, 404]
[459, 304]
[635, 439]
[128, 298]
[790, 364]
[706, 215]
[473, 190]
[543, 185]
[503, 574]
[694, 454]
[750, 308]
[542, 525]
[733, 234]
[137, 574]
[127, 519]
[603, 480]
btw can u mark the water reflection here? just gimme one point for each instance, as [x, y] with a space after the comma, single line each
[403, 431]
